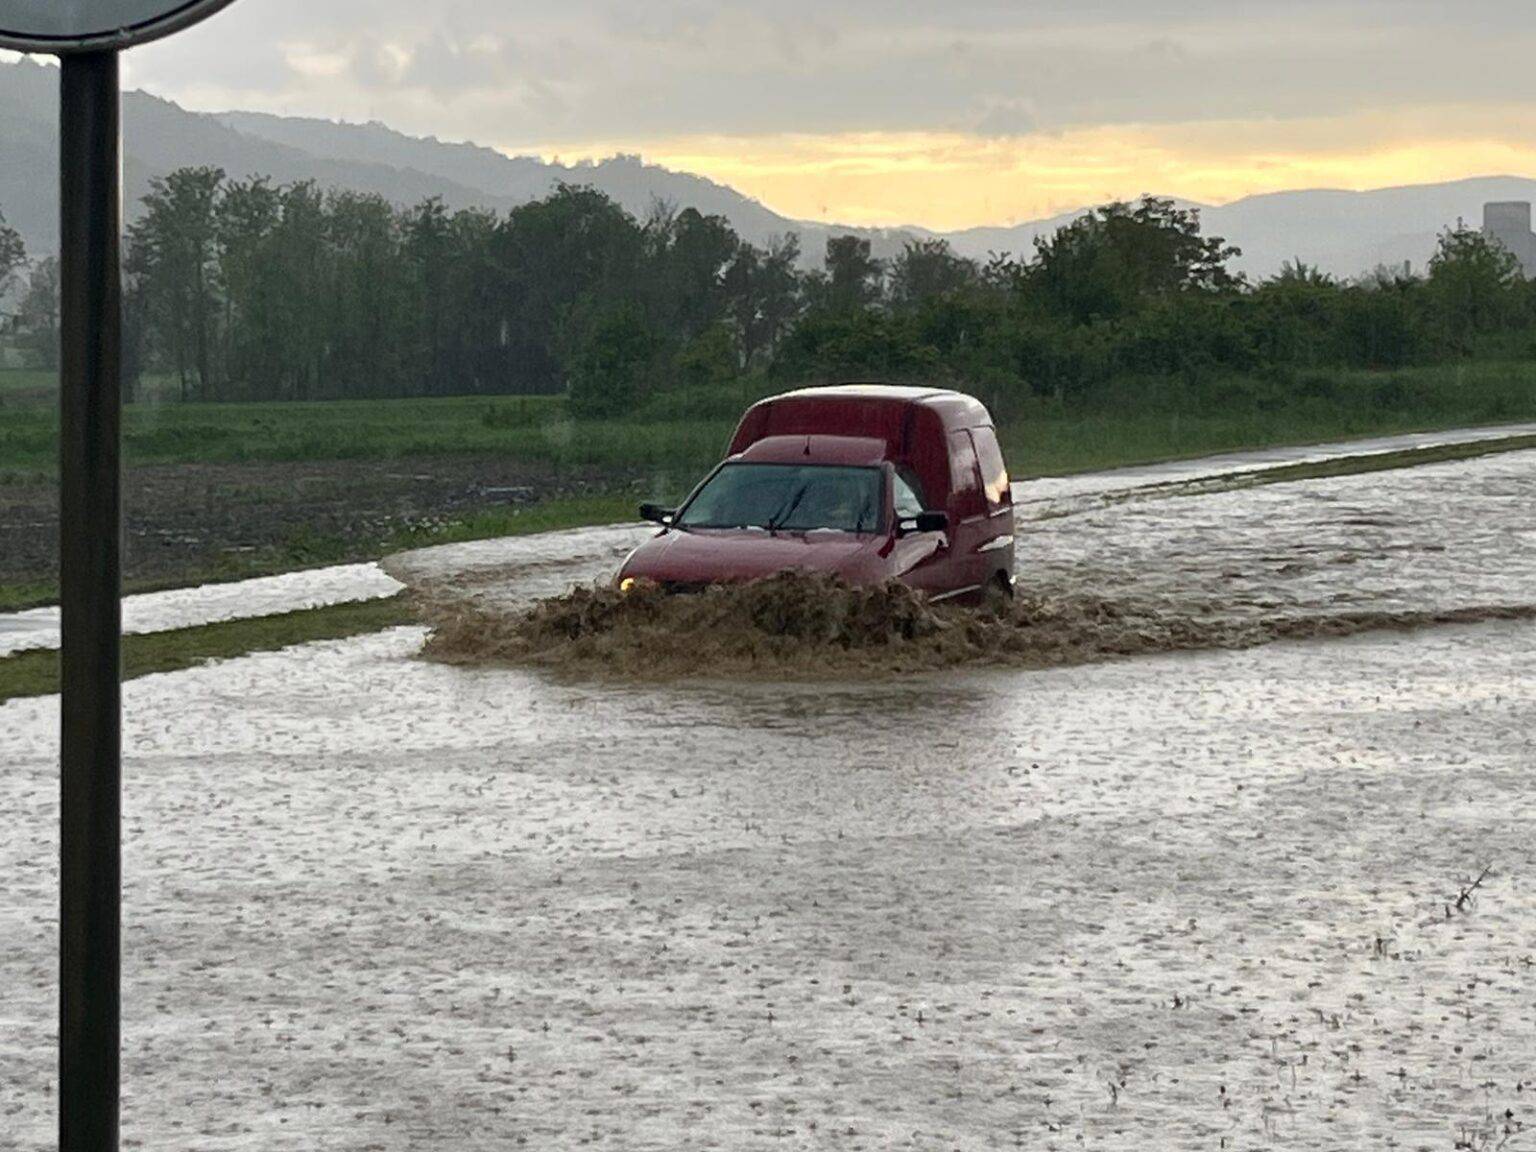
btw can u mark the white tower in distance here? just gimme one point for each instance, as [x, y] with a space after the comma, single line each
[1509, 222]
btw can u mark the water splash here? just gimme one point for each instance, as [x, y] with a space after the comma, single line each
[806, 626]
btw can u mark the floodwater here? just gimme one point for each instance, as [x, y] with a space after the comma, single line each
[1444, 538]
[320, 587]
[1170, 902]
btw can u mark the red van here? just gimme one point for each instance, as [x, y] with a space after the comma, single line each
[868, 482]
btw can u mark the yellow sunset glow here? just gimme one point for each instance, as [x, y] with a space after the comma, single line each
[953, 180]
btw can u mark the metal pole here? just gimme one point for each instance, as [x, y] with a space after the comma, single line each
[90, 581]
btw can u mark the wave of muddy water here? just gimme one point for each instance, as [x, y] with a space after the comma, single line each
[378, 902]
[1102, 574]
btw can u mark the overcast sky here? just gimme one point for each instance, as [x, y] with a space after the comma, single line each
[948, 113]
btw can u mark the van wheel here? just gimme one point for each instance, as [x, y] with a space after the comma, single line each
[998, 596]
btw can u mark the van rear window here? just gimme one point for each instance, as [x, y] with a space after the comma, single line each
[964, 479]
[994, 472]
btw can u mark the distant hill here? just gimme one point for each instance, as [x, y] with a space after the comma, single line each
[1350, 232]
[159, 136]
[1345, 233]
[516, 179]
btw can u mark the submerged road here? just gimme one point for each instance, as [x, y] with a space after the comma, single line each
[319, 587]
[378, 903]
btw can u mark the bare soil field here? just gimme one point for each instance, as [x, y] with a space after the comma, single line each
[194, 518]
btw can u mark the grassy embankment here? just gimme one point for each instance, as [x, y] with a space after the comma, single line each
[673, 438]
[666, 445]
[37, 673]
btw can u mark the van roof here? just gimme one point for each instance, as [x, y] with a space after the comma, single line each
[872, 390]
[956, 409]
[883, 411]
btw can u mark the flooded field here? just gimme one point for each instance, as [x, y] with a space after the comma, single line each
[1190, 900]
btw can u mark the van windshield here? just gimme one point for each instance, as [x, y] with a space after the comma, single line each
[788, 498]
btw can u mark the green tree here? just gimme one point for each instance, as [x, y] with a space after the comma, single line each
[173, 261]
[854, 279]
[1378, 325]
[687, 258]
[302, 262]
[612, 365]
[866, 343]
[1111, 261]
[13, 255]
[474, 356]
[762, 297]
[246, 217]
[430, 249]
[927, 270]
[781, 290]
[742, 285]
[1292, 314]
[561, 260]
[370, 299]
[710, 358]
[1473, 286]
[37, 317]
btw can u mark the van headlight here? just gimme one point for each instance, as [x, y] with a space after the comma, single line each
[626, 584]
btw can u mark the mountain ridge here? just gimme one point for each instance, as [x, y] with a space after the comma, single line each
[1341, 231]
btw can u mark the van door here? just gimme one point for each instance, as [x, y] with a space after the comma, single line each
[919, 558]
[969, 517]
[998, 543]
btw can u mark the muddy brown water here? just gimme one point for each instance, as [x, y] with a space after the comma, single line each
[375, 901]
[805, 626]
[1101, 576]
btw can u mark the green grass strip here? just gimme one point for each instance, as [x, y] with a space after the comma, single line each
[20, 597]
[1383, 461]
[1306, 470]
[1353, 465]
[37, 673]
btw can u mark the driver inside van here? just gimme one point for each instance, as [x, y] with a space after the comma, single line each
[839, 502]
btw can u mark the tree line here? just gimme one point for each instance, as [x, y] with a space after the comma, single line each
[249, 290]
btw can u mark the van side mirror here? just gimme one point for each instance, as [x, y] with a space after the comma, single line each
[656, 514]
[925, 522]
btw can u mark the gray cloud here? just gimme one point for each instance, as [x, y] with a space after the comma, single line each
[513, 71]
[1012, 117]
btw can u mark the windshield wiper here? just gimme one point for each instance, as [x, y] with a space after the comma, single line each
[777, 522]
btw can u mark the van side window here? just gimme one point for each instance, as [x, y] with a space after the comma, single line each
[908, 503]
[994, 473]
[964, 476]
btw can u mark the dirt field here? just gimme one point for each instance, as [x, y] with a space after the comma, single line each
[192, 517]
[1193, 900]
